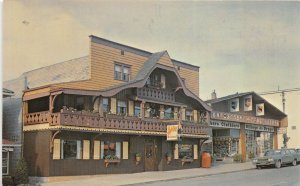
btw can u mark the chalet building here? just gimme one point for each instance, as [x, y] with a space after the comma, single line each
[118, 110]
[244, 123]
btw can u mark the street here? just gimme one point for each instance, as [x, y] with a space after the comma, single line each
[285, 176]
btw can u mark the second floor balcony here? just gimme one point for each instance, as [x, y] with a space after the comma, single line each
[110, 121]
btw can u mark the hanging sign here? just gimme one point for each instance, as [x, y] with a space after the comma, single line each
[234, 105]
[248, 103]
[172, 132]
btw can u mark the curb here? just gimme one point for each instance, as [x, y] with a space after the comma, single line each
[184, 178]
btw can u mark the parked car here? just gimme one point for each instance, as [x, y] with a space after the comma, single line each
[296, 153]
[276, 158]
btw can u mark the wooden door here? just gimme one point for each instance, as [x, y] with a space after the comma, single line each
[150, 155]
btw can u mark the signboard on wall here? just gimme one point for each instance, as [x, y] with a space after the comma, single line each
[259, 128]
[260, 109]
[172, 132]
[234, 105]
[224, 124]
[248, 103]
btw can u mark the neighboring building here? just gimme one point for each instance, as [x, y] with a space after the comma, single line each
[11, 141]
[244, 123]
[95, 114]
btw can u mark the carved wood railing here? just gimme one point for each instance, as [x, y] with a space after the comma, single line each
[94, 120]
[37, 117]
[156, 94]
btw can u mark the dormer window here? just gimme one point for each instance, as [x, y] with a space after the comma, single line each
[122, 72]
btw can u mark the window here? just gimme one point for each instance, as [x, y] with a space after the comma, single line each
[105, 104]
[122, 107]
[125, 74]
[122, 72]
[185, 151]
[5, 162]
[71, 149]
[168, 112]
[80, 103]
[110, 149]
[137, 109]
[188, 115]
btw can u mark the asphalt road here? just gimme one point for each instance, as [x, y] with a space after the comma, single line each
[285, 176]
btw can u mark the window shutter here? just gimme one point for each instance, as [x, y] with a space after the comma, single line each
[56, 149]
[183, 114]
[176, 151]
[86, 149]
[118, 149]
[102, 150]
[147, 110]
[163, 80]
[96, 150]
[130, 108]
[125, 150]
[195, 152]
[175, 113]
[78, 156]
[195, 114]
[113, 103]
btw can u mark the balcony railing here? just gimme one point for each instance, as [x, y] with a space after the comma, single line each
[94, 120]
[156, 94]
[37, 117]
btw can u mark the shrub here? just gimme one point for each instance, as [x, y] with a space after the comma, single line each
[21, 174]
[237, 157]
[251, 155]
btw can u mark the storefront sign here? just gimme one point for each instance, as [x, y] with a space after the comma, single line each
[224, 124]
[259, 128]
[244, 119]
[172, 132]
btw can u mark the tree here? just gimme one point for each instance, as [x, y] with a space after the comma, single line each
[21, 175]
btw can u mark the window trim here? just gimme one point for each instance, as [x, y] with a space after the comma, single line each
[122, 65]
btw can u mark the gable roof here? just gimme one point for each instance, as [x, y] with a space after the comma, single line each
[72, 70]
[258, 97]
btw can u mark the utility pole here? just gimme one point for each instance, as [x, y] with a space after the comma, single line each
[282, 92]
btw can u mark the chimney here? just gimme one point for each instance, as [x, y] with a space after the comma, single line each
[214, 95]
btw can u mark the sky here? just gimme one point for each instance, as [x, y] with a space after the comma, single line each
[239, 46]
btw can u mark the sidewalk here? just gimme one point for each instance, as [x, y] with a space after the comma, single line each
[144, 177]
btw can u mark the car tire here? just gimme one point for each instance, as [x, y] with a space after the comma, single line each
[278, 164]
[294, 163]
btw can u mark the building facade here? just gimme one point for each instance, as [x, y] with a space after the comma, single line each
[245, 124]
[130, 112]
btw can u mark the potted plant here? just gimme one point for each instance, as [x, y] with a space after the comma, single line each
[169, 157]
[111, 159]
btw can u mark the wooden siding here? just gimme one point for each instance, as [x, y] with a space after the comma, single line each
[165, 60]
[191, 79]
[37, 91]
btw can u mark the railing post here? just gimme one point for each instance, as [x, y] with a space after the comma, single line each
[143, 109]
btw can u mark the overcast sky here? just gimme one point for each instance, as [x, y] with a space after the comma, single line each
[239, 46]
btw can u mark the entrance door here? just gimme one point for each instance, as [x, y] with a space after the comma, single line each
[150, 155]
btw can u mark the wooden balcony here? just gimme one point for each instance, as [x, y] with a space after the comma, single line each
[94, 120]
[156, 94]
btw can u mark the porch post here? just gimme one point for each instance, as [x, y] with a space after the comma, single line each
[100, 105]
[143, 109]
[243, 149]
[275, 139]
[51, 104]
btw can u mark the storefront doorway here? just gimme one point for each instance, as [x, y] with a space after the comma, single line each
[150, 155]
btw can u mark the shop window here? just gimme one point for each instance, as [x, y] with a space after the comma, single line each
[185, 151]
[71, 149]
[122, 72]
[105, 104]
[5, 162]
[188, 115]
[137, 109]
[169, 114]
[122, 107]
[112, 149]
